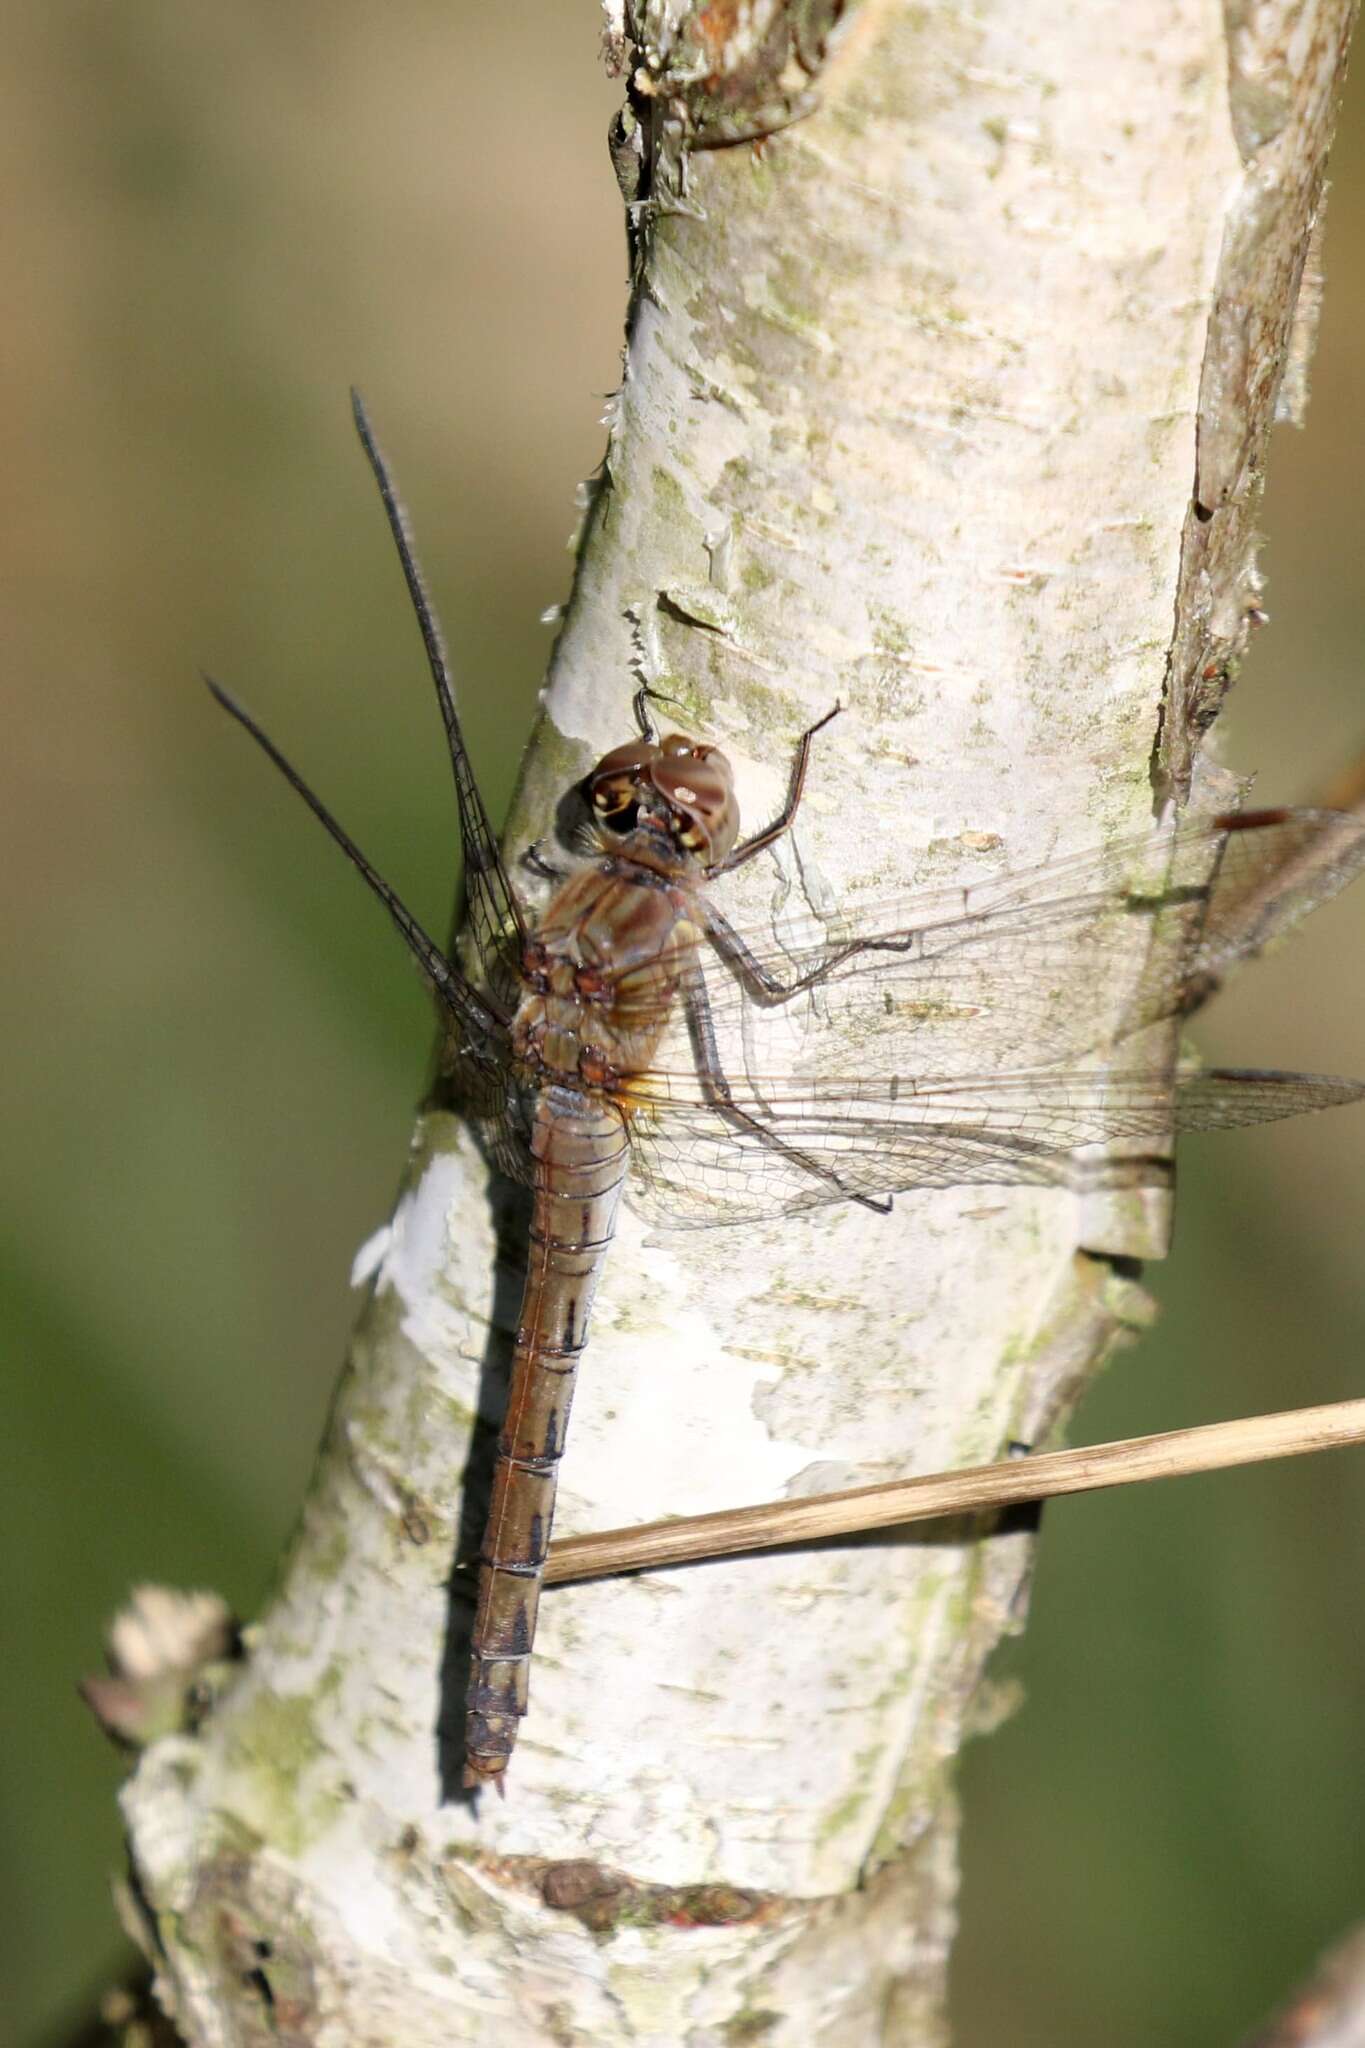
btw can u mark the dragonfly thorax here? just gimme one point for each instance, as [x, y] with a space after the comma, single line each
[601, 971]
[667, 803]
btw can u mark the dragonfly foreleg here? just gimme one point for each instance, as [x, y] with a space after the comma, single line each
[782, 823]
[640, 703]
[720, 1096]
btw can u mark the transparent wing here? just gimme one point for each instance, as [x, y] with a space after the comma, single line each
[476, 1027]
[492, 914]
[938, 1045]
[1021, 970]
[808, 1143]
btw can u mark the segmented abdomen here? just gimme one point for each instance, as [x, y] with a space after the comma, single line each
[580, 1149]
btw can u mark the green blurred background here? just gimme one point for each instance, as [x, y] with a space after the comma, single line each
[217, 219]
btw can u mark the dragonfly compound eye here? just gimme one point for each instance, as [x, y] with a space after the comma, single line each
[696, 782]
[615, 803]
[613, 787]
[683, 785]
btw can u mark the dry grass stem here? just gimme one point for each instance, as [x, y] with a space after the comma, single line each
[976, 1490]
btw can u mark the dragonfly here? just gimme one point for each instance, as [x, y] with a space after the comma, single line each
[631, 1036]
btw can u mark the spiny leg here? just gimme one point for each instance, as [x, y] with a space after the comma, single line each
[640, 703]
[766, 987]
[534, 861]
[716, 1087]
[782, 823]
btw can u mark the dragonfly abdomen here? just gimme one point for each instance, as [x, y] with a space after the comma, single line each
[580, 1149]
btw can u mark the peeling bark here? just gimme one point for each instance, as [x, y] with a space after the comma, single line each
[1284, 64]
[949, 402]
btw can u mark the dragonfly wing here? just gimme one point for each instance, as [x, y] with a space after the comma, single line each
[1277, 866]
[1224, 1098]
[1045, 965]
[806, 1144]
[492, 913]
[475, 1023]
[698, 1172]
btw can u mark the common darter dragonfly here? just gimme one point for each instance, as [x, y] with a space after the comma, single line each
[976, 1026]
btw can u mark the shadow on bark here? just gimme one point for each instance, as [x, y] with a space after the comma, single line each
[511, 1206]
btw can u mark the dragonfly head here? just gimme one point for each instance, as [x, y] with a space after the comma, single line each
[671, 800]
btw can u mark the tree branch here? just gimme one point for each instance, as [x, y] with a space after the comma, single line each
[1328, 2010]
[949, 403]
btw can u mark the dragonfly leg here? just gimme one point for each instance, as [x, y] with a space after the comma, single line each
[640, 703]
[782, 823]
[548, 870]
[719, 1094]
[766, 987]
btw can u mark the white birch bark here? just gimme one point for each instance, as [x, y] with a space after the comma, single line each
[950, 404]
[1327, 2010]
